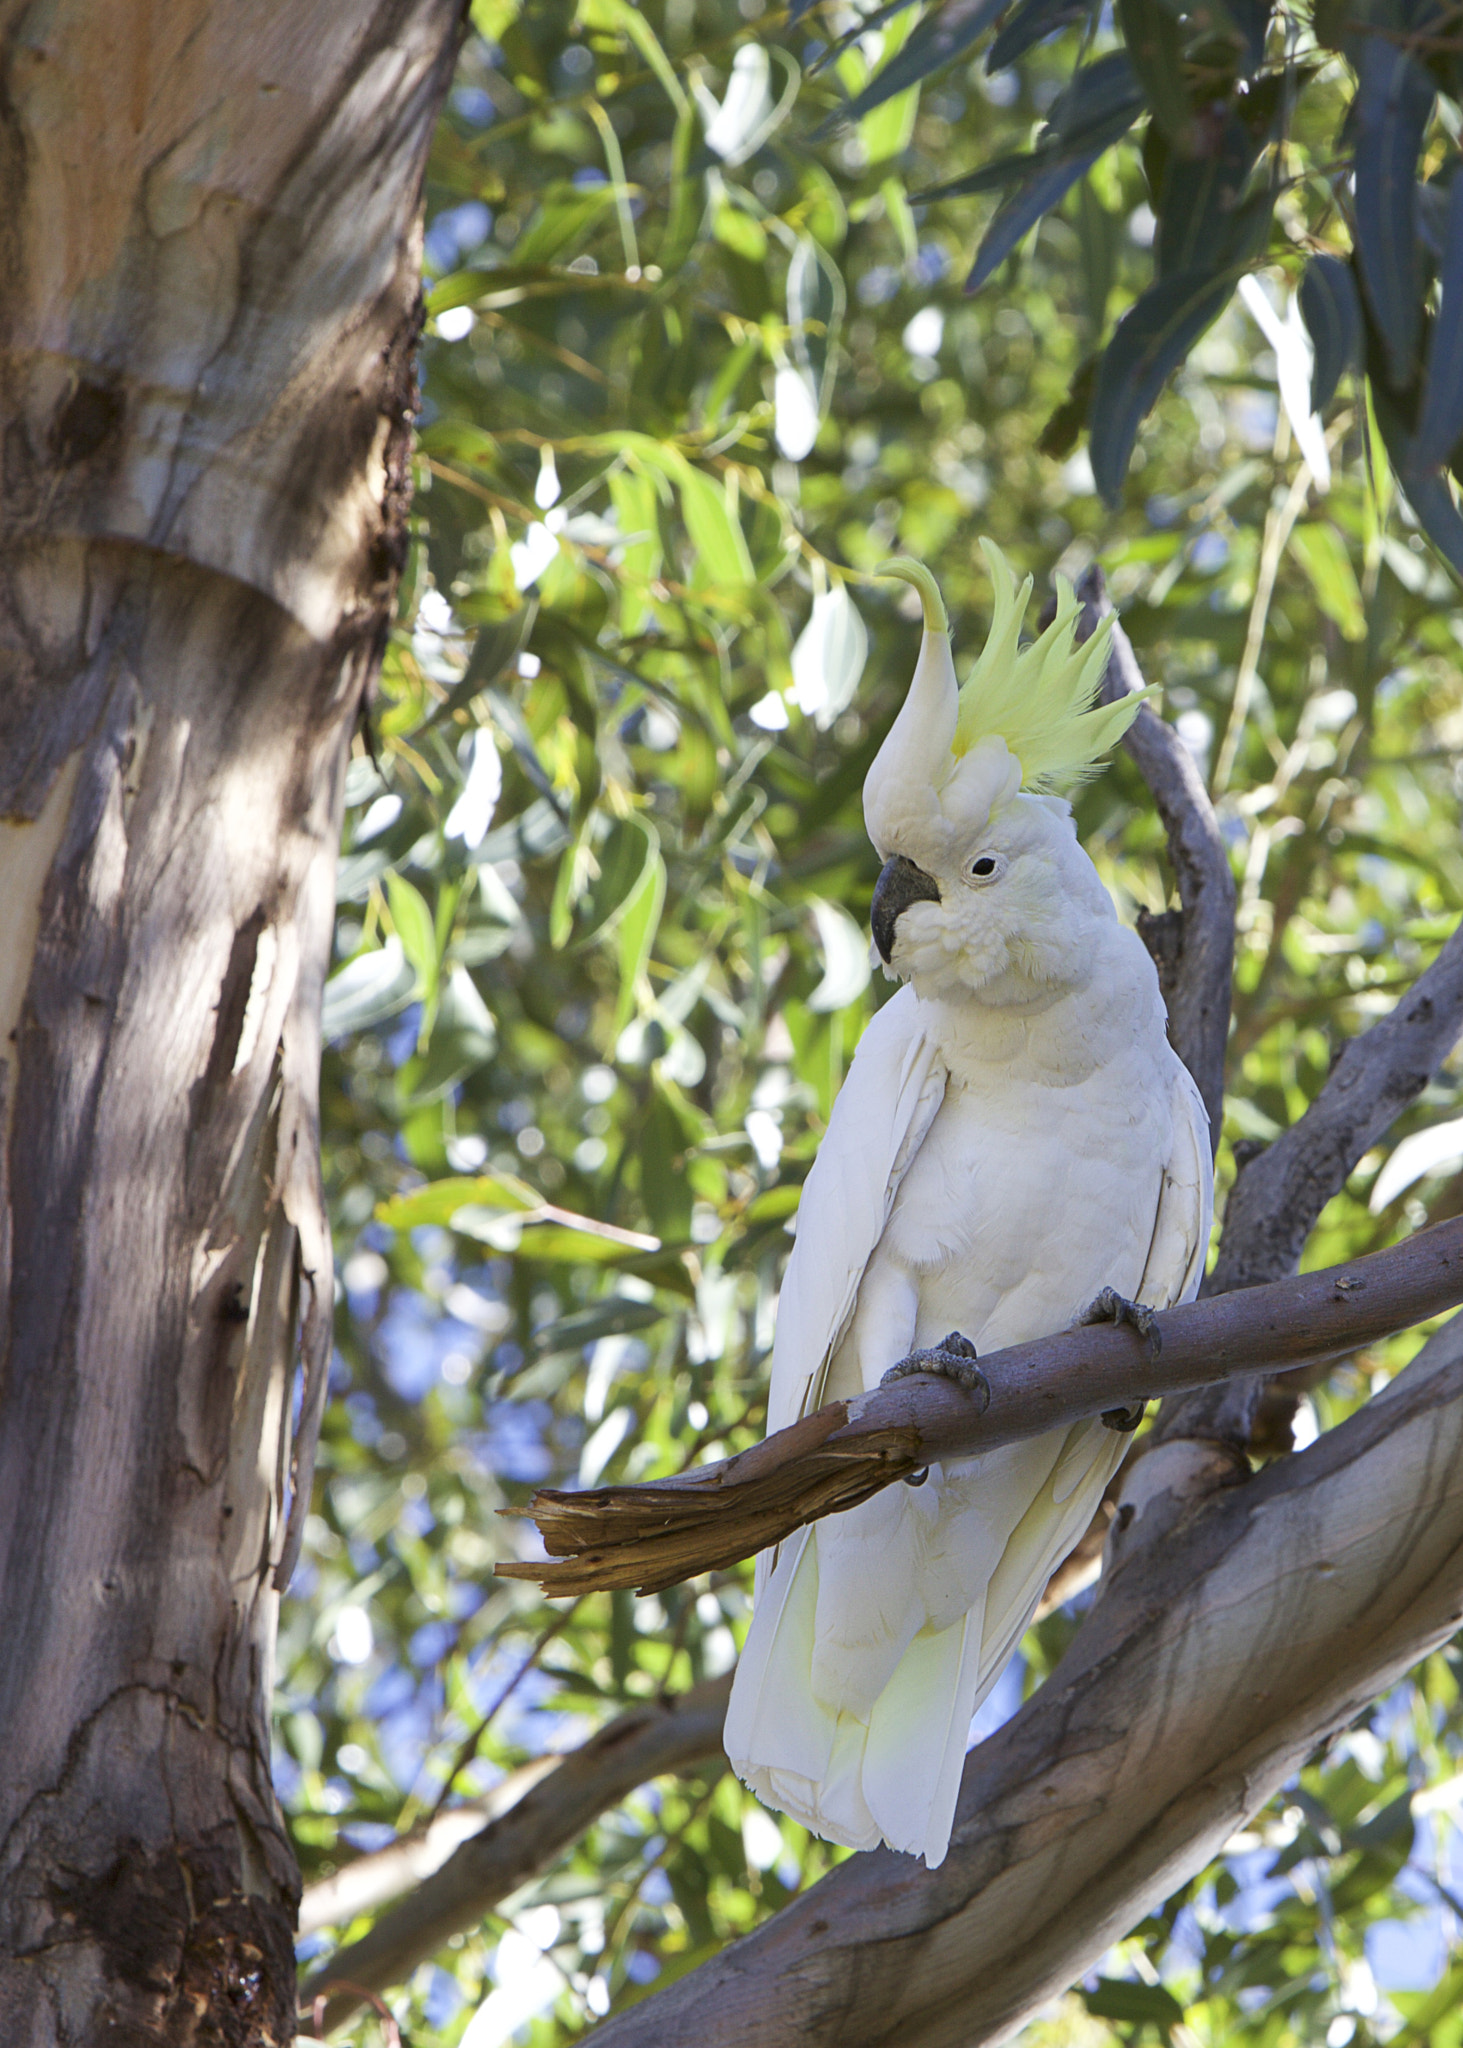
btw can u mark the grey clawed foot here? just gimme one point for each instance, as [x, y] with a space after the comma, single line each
[1112, 1307]
[953, 1358]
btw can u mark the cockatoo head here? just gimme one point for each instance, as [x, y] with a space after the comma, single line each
[984, 886]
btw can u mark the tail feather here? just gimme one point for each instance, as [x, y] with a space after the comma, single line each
[914, 1745]
[893, 1774]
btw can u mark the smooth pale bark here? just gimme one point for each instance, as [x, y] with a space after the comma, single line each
[1233, 1634]
[208, 292]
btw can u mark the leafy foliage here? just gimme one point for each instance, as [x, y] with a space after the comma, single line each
[1325, 139]
[601, 942]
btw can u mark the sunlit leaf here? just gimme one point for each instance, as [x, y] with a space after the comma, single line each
[638, 926]
[1323, 555]
[367, 990]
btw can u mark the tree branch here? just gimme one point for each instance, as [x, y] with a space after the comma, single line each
[653, 1535]
[372, 1880]
[1226, 1645]
[1277, 1198]
[1279, 1194]
[1193, 948]
[663, 1735]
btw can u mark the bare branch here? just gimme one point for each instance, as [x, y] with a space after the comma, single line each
[654, 1535]
[663, 1735]
[372, 1880]
[1279, 1195]
[1227, 1644]
[1194, 947]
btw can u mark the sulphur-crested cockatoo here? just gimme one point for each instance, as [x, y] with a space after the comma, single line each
[1015, 1136]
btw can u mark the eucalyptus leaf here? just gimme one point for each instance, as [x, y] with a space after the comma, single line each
[944, 34]
[1440, 418]
[367, 990]
[1152, 339]
[1394, 102]
[1331, 310]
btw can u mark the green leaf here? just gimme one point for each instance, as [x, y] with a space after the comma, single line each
[568, 884]
[1394, 103]
[664, 1187]
[367, 990]
[1100, 235]
[1059, 435]
[638, 927]
[623, 856]
[936, 41]
[716, 533]
[1332, 313]
[637, 512]
[535, 834]
[1440, 421]
[613, 1317]
[439, 1201]
[885, 132]
[1049, 182]
[561, 222]
[737, 231]
[845, 949]
[1155, 45]
[415, 929]
[1152, 338]
[1028, 23]
[1196, 206]
[1117, 1998]
[1321, 552]
[1423, 2012]
[588, 1243]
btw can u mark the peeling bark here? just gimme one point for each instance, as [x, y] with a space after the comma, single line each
[210, 273]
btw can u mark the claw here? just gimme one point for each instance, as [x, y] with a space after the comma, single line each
[1124, 1420]
[953, 1358]
[1112, 1307]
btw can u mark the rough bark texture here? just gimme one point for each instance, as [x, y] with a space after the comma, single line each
[1234, 1632]
[210, 275]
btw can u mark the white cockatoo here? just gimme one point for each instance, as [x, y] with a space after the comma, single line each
[1015, 1138]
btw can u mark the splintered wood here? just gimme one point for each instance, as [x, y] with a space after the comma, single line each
[653, 1536]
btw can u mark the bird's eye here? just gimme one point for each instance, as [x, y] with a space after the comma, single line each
[986, 867]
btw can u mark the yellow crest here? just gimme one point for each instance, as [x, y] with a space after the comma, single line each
[1039, 698]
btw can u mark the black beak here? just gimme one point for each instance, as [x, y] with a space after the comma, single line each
[900, 884]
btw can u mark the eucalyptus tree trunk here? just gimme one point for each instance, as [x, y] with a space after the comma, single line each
[208, 304]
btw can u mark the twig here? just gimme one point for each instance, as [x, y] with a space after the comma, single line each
[468, 1748]
[1194, 948]
[654, 1535]
[643, 1743]
[1278, 522]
